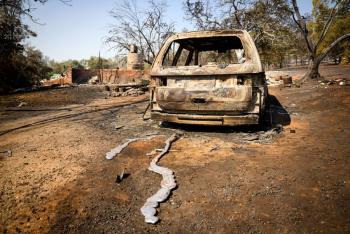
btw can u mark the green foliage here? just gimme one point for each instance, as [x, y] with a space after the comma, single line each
[268, 22]
[36, 67]
[57, 67]
[93, 62]
[19, 67]
[22, 69]
[273, 28]
[340, 26]
[342, 50]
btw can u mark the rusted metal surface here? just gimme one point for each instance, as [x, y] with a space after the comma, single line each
[208, 90]
[233, 120]
[251, 65]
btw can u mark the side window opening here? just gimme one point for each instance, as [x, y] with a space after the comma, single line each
[177, 55]
[168, 59]
[184, 58]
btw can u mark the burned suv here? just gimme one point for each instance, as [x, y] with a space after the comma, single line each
[208, 78]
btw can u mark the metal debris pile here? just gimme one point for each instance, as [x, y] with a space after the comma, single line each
[263, 136]
[127, 90]
[326, 83]
[131, 92]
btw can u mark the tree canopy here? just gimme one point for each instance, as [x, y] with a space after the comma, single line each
[268, 22]
[277, 27]
[19, 66]
[325, 16]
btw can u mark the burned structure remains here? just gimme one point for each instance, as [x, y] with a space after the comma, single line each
[129, 75]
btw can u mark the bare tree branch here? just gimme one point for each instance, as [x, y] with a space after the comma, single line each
[327, 24]
[302, 26]
[146, 28]
[331, 46]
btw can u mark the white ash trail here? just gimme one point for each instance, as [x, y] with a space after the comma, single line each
[168, 183]
[111, 154]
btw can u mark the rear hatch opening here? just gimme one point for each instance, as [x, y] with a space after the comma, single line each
[213, 52]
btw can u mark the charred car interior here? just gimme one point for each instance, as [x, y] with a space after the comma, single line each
[208, 78]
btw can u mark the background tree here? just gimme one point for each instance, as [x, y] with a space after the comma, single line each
[268, 22]
[95, 62]
[316, 34]
[36, 68]
[13, 57]
[146, 28]
[341, 26]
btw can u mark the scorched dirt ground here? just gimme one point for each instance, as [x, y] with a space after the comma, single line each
[230, 180]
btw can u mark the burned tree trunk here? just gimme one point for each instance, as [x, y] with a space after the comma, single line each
[315, 60]
[313, 70]
[315, 57]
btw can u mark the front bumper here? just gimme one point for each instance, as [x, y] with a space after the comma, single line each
[227, 120]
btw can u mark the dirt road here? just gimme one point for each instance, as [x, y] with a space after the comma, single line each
[230, 180]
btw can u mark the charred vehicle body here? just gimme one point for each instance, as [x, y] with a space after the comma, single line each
[208, 78]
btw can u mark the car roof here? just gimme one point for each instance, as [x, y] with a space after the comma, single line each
[194, 34]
